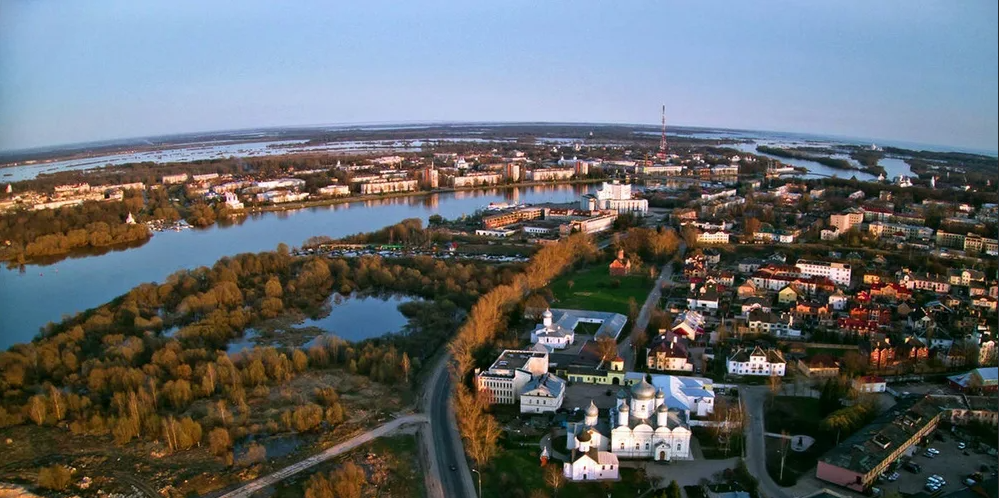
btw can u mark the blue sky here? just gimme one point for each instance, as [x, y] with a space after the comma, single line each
[918, 71]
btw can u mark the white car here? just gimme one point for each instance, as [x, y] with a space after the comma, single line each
[933, 450]
[961, 445]
[893, 477]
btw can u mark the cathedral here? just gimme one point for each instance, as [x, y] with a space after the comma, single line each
[641, 426]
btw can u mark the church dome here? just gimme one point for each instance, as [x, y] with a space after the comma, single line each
[662, 409]
[643, 390]
[592, 410]
[584, 437]
[547, 313]
[660, 394]
[623, 408]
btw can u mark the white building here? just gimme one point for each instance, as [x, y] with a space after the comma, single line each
[713, 237]
[870, 384]
[757, 362]
[616, 197]
[644, 426]
[511, 372]
[551, 334]
[543, 394]
[587, 462]
[767, 322]
[839, 273]
[384, 187]
[335, 190]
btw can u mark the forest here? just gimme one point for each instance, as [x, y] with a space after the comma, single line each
[151, 365]
[48, 232]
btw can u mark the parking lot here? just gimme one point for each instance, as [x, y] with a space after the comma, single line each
[951, 464]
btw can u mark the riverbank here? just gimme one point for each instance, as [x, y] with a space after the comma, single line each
[290, 206]
[13, 260]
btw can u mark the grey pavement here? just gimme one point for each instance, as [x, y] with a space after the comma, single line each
[753, 399]
[448, 448]
[642, 321]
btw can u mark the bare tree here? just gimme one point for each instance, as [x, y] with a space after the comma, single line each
[554, 478]
[607, 348]
[774, 384]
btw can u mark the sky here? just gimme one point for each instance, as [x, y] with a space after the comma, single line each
[907, 70]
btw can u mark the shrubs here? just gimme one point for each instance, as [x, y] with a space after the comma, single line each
[56, 477]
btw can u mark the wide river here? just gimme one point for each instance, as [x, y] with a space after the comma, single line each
[40, 294]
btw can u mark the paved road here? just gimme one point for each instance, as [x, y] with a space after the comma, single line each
[444, 438]
[753, 398]
[625, 349]
[271, 479]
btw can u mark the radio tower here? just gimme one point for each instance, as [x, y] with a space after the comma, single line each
[663, 147]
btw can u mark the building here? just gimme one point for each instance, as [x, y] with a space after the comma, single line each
[335, 190]
[173, 179]
[594, 224]
[985, 379]
[870, 384]
[587, 463]
[543, 394]
[768, 322]
[847, 220]
[431, 177]
[819, 366]
[512, 172]
[880, 229]
[388, 186]
[511, 217]
[858, 460]
[557, 330]
[713, 237]
[621, 266]
[757, 362]
[550, 174]
[510, 373]
[839, 273]
[925, 281]
[551, 334]
[615, 197]
[476, 180]
[666, 353]
[644, 426]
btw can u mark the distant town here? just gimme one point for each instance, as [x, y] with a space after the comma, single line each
[699, 321]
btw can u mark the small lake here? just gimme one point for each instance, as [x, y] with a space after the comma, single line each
[355, 317]
[895, 167]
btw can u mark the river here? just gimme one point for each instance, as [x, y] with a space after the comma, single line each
[31, 298]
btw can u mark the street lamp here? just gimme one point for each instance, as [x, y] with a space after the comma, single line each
[479, 475]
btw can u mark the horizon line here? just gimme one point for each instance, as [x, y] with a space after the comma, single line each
[402, 124]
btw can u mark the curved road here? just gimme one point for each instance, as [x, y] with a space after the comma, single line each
[270, 479]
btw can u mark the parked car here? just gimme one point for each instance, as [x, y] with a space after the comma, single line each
[893, 477]
[969, 481]
[933, 450]
[962, 445]
[927, 454]
[912, 467]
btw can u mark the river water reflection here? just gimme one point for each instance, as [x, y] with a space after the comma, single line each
[41, 294]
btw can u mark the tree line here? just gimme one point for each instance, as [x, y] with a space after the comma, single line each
[487, 320]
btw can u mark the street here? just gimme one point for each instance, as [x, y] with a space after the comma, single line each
[753, 399]
[444, 439]
[665, 274]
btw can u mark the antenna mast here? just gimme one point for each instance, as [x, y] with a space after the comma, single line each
[663, 147]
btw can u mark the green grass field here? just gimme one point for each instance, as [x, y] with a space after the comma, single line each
[593, 289]
[515, 473]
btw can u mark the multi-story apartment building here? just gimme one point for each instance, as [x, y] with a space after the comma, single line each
[510, 373]
[839, 273]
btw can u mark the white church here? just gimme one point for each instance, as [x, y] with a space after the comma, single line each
[642, 426]
[551, 334]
